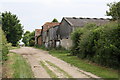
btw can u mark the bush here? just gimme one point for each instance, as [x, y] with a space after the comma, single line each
[9, 45]
[98, 44]
[76, 37]
[107, 48]
[32, 42]
[87, 42]
[4, 48]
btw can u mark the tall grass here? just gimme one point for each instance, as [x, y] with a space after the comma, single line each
[19, 67]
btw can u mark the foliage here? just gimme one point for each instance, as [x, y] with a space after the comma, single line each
[107, 48]
[114, 10]
[3, 46]
[100, 44]
[12, 27]
[28, 38]
[9, 45]
[25, 39]
[32, 38]
[75, 36]
[55, 20]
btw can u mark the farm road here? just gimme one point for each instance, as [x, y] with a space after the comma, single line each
[34, 56]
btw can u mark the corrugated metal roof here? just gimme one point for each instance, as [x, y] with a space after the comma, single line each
[76, 22]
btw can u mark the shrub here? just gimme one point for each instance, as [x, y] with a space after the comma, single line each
[4, 48]
[9, 45]
[87, 42]
[76, 37]
[100, 44]
[108, 46]
[32, 42]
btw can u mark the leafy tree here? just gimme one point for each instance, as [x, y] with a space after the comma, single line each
[12, 27]
[55, 20]
[114, 10]
[25, 39]
[28, 38]
[32, 38]
[27, 32]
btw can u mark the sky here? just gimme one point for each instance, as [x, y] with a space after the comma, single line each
[34, 13]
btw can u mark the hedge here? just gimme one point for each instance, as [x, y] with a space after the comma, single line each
[3, 46]
[99, 44]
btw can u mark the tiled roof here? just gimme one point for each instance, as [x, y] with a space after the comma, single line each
[76, 22]
[37, 32]
[48, 25]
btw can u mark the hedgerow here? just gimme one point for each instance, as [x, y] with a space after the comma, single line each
[3, 46]
[100, 44]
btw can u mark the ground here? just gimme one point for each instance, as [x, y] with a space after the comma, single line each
[44, 65]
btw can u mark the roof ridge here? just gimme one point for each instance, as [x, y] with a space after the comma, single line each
[86, 18]
[68, 21]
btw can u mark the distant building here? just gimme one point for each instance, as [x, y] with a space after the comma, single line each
[53, 36]
[47, 34]
[38, 39]
[68, 25]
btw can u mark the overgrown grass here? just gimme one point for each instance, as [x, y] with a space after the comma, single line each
[52, 74]
[19, 67]
[85, 65]
[62, 71]
[12, 47]
[41, 47]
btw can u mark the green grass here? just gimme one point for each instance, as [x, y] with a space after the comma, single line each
[62, 71]
[52, 74]
[85, 65]
[19, 67]
[12, 47]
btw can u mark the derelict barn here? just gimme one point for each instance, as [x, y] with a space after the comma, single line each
[54, 34]
[38, 39]
[49, 33]
[53, 40]
[68, 25]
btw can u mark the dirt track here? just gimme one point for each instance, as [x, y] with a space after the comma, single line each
[34, 56]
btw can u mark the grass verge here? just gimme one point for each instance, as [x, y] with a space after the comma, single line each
[52, 75]
[12, 47]
[62, 71]
[85, 65]
[18, 67]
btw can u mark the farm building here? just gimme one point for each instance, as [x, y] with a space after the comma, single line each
[68, 25]
[38, 39]
[53, 37]
[47, 35]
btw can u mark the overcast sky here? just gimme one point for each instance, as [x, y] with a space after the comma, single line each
[34, 13]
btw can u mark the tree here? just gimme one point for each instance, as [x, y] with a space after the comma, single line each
[25, 39]
[114, 10]
[12, 27]
[29, 38]
[55, 20]
[27, 32]
[32, 39]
